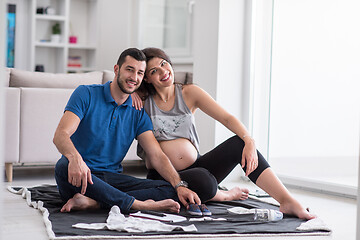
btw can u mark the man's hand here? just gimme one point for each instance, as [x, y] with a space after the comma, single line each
[79, 174]
[186, 196]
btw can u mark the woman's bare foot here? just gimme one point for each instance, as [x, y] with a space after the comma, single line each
[235, 193]
[80, 202]
[238, 193]
[293, 207]
[167, 205]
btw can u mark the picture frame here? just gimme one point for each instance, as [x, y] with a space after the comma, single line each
[11, 25]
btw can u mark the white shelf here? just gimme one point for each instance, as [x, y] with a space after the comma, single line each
[81, 46]
[50, 17]
[76, 17]
[49, 44]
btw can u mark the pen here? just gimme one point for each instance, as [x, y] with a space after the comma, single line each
[153, 213]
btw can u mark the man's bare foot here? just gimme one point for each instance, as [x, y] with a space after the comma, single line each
[235, 193]
[80, 202]
[293, 207]
[167, 205]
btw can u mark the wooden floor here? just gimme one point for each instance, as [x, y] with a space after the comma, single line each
[20, 221]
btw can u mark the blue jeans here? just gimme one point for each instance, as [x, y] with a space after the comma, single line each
[114, 188]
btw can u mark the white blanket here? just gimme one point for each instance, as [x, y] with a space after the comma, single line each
[117, 221]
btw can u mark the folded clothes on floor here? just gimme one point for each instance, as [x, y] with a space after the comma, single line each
[117, 221]
[313, 224]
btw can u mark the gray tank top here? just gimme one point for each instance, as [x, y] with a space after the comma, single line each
[179, 122]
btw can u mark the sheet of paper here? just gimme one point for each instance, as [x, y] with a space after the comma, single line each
[165, 218]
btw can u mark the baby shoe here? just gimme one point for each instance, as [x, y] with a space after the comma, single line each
[205, 211]
[194, 210]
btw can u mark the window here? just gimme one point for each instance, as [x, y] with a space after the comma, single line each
[166, 24]
[314, 102]
[314, 112]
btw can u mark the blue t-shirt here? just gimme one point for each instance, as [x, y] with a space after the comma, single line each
[106, 129]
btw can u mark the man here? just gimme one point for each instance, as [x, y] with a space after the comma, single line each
[94, 134]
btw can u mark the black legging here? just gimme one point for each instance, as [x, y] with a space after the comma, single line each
[210, 169]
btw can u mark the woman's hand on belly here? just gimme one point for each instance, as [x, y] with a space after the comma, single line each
[181, 152]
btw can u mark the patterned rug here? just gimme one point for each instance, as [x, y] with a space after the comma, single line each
[221, 224]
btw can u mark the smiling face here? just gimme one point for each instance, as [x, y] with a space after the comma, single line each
[130, 74]
[159, 72]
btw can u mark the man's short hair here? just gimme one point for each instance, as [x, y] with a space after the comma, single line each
[133, 52]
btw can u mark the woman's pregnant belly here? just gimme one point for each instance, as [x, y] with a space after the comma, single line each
[181, 152]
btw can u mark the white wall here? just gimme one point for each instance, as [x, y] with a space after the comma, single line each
[220, 62]
[205, 63]
[231, 61]
[114, 31]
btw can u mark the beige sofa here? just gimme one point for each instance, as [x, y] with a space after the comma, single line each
[34, 105]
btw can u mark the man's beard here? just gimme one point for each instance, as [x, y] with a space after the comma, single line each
[121, 86]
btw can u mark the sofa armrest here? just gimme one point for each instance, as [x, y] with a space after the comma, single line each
[131, 154]
[12, 124]
[41, 111]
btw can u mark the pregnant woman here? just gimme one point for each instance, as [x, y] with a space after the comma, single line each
[171, 107]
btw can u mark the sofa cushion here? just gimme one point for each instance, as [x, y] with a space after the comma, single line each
[131, 154]
[108, 76]
[21, 78]
[189, 77]
[183, 77]
[41, 111]
[7, 77]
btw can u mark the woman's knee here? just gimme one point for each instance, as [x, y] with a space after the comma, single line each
[262, 166]
[234, 147]
[236, 141]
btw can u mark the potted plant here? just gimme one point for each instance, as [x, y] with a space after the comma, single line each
[56, 31]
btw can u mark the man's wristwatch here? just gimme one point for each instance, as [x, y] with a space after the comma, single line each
[181, 184]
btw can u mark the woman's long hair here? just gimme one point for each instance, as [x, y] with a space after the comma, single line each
[145, 88]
